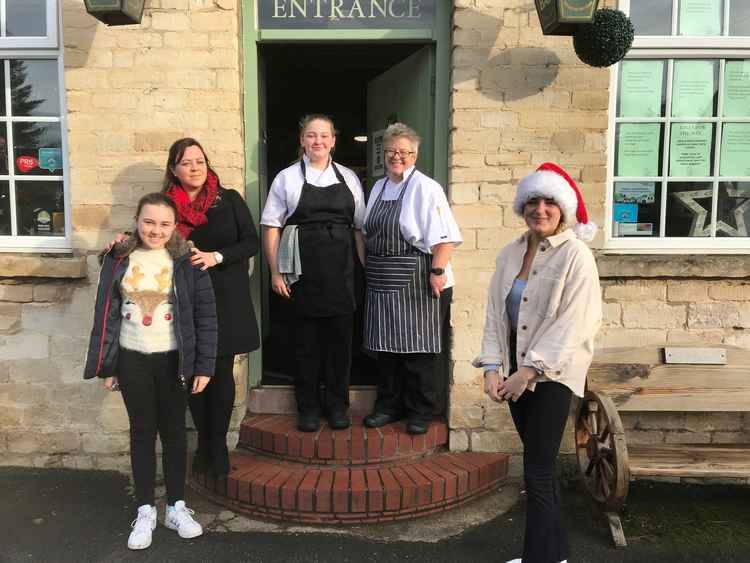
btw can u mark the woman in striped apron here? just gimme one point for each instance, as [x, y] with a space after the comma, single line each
[410, 234]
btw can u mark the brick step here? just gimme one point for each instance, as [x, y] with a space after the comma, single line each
[277, 435]
[270, 488]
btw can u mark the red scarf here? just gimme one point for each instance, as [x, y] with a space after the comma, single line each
[192, 214]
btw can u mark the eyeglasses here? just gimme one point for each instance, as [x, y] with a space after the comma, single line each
[390, 153]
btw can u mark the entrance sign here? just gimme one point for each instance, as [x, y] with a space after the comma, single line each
[693, 89]
[346, 14]
[641, 88]
[737, 89]
[690, 149]
[700, 17]
[735, 148]
[638, 149]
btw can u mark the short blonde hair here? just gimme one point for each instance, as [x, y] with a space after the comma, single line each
[397, 130]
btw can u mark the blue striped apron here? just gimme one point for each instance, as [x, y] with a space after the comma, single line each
[401, 314]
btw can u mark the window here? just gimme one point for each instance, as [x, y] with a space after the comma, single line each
[34, 214]
[679, 168]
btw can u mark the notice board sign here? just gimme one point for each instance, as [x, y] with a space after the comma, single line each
[346, 14]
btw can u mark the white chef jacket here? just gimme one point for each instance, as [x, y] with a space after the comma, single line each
[426, 218]
[286, 190]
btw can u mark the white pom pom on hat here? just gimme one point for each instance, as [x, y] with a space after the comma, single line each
[553, 182]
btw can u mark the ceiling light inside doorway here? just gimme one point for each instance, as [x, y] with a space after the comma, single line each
[361, 138]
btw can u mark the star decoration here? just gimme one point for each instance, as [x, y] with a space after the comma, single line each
[698, 227]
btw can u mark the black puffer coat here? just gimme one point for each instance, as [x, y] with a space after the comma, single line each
[194, 309]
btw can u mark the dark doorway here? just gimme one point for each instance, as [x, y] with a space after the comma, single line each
[302, 78]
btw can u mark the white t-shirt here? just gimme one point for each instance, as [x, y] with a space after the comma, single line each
[286, 190]
[426, 218]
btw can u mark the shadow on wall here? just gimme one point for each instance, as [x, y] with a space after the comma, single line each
[513, 73]
[79, 31]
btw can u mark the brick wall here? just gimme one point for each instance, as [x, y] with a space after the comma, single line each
[130, 92]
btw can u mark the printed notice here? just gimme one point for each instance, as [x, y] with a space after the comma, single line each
[690, 149]
[700, 17]
[635, 192]
[735, 149]
[638, 149]
[693, 89]
[641, 88]
[737, 89]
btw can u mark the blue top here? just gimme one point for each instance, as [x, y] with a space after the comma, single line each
[513, 301]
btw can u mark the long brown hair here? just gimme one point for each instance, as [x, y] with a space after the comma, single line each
[309, 118]
[176, 152]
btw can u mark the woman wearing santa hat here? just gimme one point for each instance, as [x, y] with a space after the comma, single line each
[543, 311]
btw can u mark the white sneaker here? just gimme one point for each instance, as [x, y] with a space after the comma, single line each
[516, 560]
[143, 527]
[179, 517]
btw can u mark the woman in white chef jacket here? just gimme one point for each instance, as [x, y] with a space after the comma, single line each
[326, 203]
[410, 234]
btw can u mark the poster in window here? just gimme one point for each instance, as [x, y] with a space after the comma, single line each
[641, 84]
[700, 17]
[638, 149]
[690, 149]
[642, 193]
[737, 88]
[693, 89]
[378, 160]
[735, 149]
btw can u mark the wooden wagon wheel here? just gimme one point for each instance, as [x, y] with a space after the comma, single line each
[601, 450]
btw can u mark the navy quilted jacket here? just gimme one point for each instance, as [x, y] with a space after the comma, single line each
[194, 310]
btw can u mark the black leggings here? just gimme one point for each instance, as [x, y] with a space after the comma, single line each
[540, 417]
[212, 411]
[155, 403]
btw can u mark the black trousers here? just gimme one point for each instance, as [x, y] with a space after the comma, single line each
[540, 419]
[408, 384]
[155, 403]
[322, 352]
[211, 411]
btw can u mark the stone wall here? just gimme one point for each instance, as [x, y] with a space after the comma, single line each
[130, 92]
[518, 99]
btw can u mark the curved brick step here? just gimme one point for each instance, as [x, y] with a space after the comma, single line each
[277, 435]
[270, 488]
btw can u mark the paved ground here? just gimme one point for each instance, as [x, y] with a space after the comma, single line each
[56, 516]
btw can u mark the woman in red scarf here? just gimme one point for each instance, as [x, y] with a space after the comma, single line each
[219, 224]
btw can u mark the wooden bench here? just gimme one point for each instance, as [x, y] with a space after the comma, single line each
[648, 380]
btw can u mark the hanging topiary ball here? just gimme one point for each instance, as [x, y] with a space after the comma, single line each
[606, 40]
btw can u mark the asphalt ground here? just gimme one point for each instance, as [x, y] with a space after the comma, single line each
[58, 515]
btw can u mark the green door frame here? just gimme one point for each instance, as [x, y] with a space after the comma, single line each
[252, 37]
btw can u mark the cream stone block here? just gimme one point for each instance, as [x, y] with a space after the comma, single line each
[582, 78]
[477, 216]
[470, 99]
[466, 417]
[568, 141]
[497, 417]
[10, 318]
[465, 79]
[511, 220]
[653, 315]
[495, 441]
[170, 21]
[631, 337]
[25, 346]
[214, 21]
[138, 39]
[697, 337]
[495, 239]
[465, 119]
[479, 174]
[224, 120]
[716, 315]
[16, 292]
[498, 120]
[464, 192]
[516, 140]
[28, 441]
[637, 290]
[729, 291]
[595, 174]
[611, 314]
[494, 193]
[466, 374]
[466, 343]
[458, 441]
[173, 5]
[583, 120]
[596, 99]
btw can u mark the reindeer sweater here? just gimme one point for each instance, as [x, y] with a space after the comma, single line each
[147, 315]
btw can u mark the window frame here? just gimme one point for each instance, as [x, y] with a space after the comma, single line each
[49, 41]
[676, 48]
[52, 244]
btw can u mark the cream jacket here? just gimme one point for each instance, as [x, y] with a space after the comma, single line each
[559, 314]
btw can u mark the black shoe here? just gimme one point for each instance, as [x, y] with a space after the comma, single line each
[378, 419]
[308, 422]
[416, 427]
[338, 420]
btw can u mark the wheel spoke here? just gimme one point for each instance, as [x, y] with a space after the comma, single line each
[605, 433]
[590, 466]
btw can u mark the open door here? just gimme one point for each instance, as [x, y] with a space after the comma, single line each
[405, 93]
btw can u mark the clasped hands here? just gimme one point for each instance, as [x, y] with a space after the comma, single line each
[511, 388]
[199, 383]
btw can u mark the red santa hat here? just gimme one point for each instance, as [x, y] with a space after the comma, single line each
[551, 181]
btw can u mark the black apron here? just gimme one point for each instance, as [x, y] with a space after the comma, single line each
[401, 314]
[325, 216]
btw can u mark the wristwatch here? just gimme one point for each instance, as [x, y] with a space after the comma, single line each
[219, 257]
[437, 271]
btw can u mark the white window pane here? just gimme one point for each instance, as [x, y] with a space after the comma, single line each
[739, 18]
[733, 217]
[689, 209]
[5, 225]
[651, 17]
[39, 208]
[37, 149]
[700, 18]
[35, 88]
[26, 18]
[636, 209]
